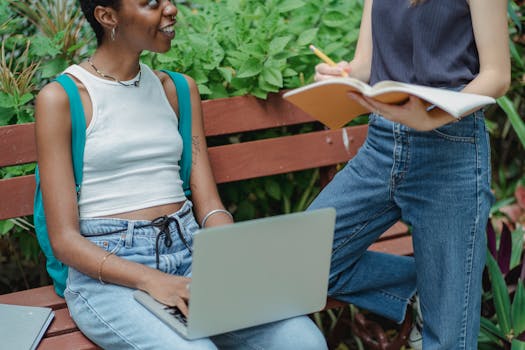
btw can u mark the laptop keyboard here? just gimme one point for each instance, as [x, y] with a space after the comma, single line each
[176, 313]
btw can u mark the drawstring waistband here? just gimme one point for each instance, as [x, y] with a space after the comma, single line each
[163, 224]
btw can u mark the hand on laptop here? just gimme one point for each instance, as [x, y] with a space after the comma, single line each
[170, 290]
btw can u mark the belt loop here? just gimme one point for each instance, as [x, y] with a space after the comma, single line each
[128, 235]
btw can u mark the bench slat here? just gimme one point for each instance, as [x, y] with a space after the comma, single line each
[17, 196]
[75, 340]
[230, 162]
[42, 296]
[279, 155]
[62, 324]
[17, 144]
[248, 113]
[244, 113]
[396, 230]
[398, 246]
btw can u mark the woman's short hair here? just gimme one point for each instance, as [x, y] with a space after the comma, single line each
[88, 8]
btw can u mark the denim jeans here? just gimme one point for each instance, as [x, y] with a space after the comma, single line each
[110, 317]
[438, 182]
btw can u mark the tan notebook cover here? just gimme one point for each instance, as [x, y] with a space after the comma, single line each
[328, 101]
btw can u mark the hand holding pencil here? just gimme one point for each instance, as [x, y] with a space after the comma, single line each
[326, 60]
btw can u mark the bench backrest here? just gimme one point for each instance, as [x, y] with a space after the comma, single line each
[232, 162]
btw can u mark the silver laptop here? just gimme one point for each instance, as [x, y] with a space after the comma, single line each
[254, 272]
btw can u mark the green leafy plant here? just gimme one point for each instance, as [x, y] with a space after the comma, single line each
[505, 121]
[239, 47]
[59, 25]
[503, 316]
[16, 84]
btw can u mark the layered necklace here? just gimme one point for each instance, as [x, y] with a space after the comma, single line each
[134, 83]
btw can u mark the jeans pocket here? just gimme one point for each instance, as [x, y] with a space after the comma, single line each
[110, 243]
[464, 130]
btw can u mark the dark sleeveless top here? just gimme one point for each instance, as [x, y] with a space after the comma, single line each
[429, 44]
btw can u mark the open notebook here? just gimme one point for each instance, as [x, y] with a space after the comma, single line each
[254, 272]
[22, 327]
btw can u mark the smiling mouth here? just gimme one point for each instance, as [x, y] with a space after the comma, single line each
[169, 29]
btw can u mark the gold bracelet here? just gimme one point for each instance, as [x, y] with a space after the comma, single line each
[102, 265]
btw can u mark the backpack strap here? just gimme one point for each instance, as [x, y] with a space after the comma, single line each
[78, 127]
[183, 97]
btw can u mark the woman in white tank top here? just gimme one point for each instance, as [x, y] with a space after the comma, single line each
[132, 227]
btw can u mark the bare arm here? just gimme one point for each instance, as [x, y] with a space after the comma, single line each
[204, 192]
[361, 64]
[489, 22]
[53, 136]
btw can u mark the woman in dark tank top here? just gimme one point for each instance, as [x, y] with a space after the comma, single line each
[420, 165]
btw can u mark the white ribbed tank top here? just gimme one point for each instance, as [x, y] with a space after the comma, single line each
[133, 146]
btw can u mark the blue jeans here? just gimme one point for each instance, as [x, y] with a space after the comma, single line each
[438, 182]
[109, 316]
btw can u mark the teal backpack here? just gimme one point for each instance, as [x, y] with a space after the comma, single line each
[56, 269]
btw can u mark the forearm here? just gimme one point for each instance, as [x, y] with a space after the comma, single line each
[362, 61]
[491, 82]
[79, 253]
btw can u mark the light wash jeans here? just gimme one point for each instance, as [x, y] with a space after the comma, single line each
[109, 316]
[438, 182]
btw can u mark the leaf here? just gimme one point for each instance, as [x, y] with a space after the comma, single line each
[44, 46]
[245, 210]
[277, 45]
[501, 295]
[307, 37]
[7, 100]
[517, 246]
[514, 16]
[491, 328]
[25, 98]
[226, 73]
[289, 5]
[515, 54]
[505, 250]
[6, 115]
[273, 76]
[204, 90]
[273, 189]
[5, 226]
[518, 308]
[53, 67]
[517, 345]
[517, 123]
[250, 68]
[491, 238]
[334, 19]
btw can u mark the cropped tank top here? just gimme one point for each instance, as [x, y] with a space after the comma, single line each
[132, 149]
[429, 44]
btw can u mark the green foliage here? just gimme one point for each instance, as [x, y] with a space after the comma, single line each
[506, 123]
[239, 47]
[503, 316]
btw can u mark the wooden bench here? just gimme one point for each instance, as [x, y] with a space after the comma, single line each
[322, 149]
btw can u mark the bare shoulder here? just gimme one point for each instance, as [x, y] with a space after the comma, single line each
[53, 94]
[169, 87]
[52, 108]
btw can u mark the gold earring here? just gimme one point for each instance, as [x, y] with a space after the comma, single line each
[112, 35]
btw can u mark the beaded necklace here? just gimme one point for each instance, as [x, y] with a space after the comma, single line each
[134, 83]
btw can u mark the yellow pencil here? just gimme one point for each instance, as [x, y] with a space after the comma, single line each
[325, 58]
